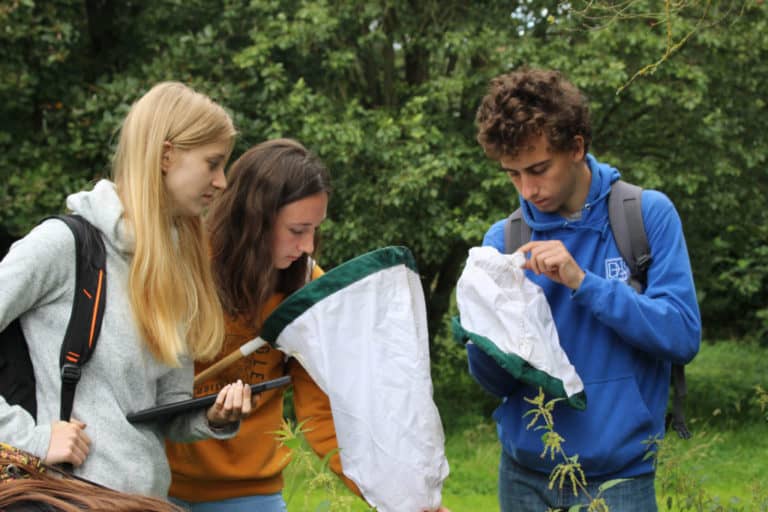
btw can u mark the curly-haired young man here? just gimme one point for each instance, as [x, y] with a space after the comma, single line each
[622, 343]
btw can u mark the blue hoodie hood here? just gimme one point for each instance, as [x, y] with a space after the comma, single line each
[594, 212]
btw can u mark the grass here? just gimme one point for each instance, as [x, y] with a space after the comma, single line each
[473, 455]
[725, 467]
[722, 468]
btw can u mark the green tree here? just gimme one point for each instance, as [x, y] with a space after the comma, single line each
[386, 93]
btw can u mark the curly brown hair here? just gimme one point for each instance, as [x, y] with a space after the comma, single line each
[265, 178]
[526, 103]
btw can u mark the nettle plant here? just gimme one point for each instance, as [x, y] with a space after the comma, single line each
[309, 475]
[680, 490]
[568, 472]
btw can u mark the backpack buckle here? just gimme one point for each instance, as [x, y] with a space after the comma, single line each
[643, 262]
[70, 373]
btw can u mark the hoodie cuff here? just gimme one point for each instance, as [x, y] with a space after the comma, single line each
[589, 286]
[40, 442]
[225, 431]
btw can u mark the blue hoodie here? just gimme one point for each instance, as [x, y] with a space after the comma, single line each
[622, 343]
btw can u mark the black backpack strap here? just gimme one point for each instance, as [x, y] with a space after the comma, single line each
[626, 219]
[516, 232]
[87, 307]
[679, 390]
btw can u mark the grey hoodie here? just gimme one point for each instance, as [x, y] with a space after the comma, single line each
[36, 282]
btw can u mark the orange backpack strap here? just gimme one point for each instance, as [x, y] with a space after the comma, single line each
[87, 307]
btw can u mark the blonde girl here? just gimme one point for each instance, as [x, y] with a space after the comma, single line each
[162, 310]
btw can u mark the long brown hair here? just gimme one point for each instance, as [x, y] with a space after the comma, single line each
[63, 495]
[27, 484]
[241, 223]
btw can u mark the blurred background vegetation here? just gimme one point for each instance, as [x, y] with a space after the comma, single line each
[385, 92]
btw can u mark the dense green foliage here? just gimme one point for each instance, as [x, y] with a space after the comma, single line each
[386, 92]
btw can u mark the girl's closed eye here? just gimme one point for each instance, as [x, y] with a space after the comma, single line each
[300, 231]
[213, 164]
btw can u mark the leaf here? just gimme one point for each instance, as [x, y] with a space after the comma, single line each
[610, 483]
[323, 506]
[293, 444]
[327, 457]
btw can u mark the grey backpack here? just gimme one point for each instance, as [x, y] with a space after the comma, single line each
[626, 219]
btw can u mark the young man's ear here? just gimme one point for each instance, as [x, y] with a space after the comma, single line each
[165, 163]
[578, 148]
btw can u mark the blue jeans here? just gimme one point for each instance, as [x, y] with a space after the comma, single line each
[257, 503]
[523, 490]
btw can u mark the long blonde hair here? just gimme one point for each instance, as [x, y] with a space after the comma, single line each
[171, 288]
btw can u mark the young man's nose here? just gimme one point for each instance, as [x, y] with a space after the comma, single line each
[528, 187]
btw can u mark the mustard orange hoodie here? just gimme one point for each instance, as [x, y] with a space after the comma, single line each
[252, 462]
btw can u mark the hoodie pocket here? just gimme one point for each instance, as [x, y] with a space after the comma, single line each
[608, 436]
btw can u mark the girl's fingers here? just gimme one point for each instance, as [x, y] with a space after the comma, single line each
[246, 407]
[83, 443]
[235, 398]
[221, 400]
[233, 402]
[214, 412]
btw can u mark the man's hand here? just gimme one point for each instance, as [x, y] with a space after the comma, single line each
[69, 443]
[232, 403]
[552, 259]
